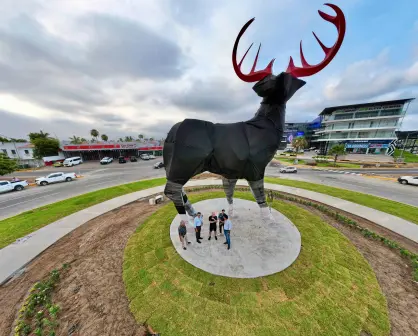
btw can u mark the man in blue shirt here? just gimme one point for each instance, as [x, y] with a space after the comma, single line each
[227, 231]
[198, 222]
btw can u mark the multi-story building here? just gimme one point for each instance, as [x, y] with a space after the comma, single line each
[363, 128]
[306, 129]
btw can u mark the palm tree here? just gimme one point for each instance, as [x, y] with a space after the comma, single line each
[151, 139]
[129, 139]
[94, 133]
[75, 140]
[140, 136]
[83, 140]
[104, 137]
[120, 140]
[337, 150]
[299, 143]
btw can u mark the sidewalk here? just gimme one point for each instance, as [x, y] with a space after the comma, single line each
[17, 255]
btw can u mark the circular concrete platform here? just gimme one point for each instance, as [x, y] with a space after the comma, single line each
[257, 249]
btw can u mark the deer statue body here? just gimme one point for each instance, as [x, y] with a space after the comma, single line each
[240, 150]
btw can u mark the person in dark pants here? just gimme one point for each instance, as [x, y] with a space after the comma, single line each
[212, 225]
[221, 220]
[198, 222]
[227, 231]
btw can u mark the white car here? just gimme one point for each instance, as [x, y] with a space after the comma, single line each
[106, 160]
[72, 161]
[144, 156]
[151, 157]
[408, 180]
[55, 177]
[288, 169]
[6, 186]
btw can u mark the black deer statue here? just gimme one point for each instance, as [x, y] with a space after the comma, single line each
[241, 150]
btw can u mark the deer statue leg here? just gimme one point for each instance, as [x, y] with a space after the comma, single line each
[175, 192]
[229, 187]
[257, 189]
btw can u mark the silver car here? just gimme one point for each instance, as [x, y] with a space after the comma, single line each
[289, 169]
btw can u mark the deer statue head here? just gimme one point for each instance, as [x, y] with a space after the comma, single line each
[267, 81]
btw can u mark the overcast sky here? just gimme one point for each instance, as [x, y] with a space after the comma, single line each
[127, 67]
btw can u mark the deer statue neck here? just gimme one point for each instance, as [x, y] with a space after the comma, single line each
[273, 112]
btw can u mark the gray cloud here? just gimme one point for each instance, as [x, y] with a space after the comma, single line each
[39, 67]
[214, 95]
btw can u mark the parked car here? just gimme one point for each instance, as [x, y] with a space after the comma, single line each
[151, 157]
[58, 164]
[122, 159]
[6, 186]
[106, 160]
[133, 159]
[288, 169]
[158, 165]
[144, 156]
[408, 180]
[72, 161]
[55, 178]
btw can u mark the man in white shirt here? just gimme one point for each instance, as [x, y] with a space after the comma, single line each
[198, 222]
[227, 231]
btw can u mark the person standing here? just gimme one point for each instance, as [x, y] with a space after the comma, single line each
[221, 220]
[227, 231]
[198, 222]
[183, 234]
[212, 225]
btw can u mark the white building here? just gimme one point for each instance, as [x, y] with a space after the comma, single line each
[363, 128]
[22, 151]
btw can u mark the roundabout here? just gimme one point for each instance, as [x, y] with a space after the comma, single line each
[330, 289]
[258, 248]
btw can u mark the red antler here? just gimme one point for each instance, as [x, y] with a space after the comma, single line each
[306, 69]
[253, 76]
[309, 70]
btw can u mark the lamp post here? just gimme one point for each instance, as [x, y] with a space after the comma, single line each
[404, 145]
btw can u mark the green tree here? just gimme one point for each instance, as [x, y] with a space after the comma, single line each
[40, 135]
[75, 140]
[104, 137]
[45, 147]
[151, 139]
[3, 140]
[337, 150]
[299, 143]
[140, 136]
[18, 140]
[94, 133]
[129, 139]
[7, 165]
[83, 140]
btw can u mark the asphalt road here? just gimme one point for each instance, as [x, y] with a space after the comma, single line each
[100, 177]
[401, 171]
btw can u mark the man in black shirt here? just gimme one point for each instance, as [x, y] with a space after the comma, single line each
[212, 225]
[221, 220]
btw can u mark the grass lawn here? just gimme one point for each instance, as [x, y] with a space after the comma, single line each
[329, 290]
[405, 211]
[290, 160]
[18, 226]
[409, 157]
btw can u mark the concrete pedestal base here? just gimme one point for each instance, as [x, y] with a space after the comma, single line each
[257, 248]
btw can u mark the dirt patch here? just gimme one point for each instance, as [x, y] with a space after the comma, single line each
[92, 294]
[392, 271]
[205, 176]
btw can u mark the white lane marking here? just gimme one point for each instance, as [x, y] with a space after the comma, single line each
[35, 199]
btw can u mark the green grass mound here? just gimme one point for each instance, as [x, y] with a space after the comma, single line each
[329, 290]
